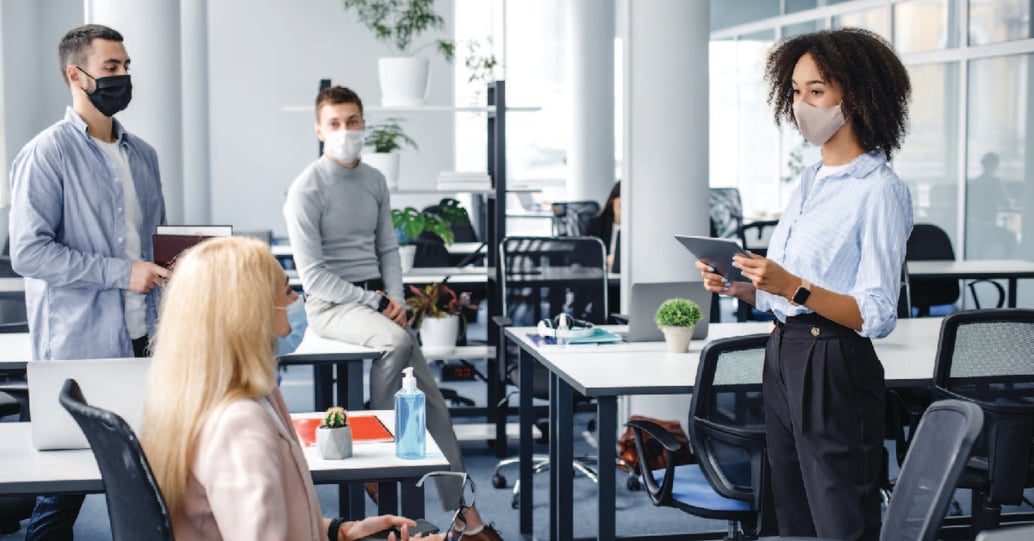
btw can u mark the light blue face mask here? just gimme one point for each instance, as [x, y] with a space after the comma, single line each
[299, 322]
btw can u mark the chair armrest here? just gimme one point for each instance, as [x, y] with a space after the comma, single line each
[660, 494]
[502, 321]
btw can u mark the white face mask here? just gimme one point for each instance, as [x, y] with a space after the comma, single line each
[817, 124]
[343, 145]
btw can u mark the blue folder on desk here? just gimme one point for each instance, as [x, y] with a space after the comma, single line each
[599, 336]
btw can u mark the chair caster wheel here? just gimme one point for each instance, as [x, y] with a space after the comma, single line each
[633, 484]
[498, 481]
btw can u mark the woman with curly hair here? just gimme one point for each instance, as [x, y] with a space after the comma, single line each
[832, 279]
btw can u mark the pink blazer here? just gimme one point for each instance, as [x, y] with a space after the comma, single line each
[249, 479]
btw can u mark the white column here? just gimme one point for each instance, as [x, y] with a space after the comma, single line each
[664, 187]
[590, 61]
[196, 171]
[152, 39]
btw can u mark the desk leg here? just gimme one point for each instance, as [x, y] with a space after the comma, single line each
[606, 426]
[323, 383]
[413, 500]
[388, 498]
[525, 365]
[1012, 292]
[496, 393]
[561, 456]
[350, 393]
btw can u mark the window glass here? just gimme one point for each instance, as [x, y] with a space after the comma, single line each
[928, 160]
[793, 6]
[802, 28]
[876, 20]
[999, 114]
[993, 21]
[921, 25]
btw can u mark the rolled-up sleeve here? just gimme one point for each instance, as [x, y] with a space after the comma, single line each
[886, 224]
[37, 214]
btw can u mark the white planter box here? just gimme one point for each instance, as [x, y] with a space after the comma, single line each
[404, 81]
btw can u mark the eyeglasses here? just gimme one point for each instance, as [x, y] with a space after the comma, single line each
[467, 496]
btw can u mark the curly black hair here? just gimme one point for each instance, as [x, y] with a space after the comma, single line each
[874, 83]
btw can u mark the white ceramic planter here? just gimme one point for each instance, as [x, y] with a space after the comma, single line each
[677, 338]
[407, 253]
[334, 443]
[403, 80]
[387, 163]
[438, 334]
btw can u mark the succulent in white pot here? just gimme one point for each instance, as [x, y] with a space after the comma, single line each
[676, 318]
[334, 436]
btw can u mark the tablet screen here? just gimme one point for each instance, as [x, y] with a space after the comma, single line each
[715, 252]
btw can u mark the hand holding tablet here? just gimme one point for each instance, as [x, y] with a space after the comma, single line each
[715, 252]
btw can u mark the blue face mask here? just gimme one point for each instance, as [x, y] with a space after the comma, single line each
[299, 322]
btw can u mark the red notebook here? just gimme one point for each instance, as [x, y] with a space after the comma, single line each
[365, 428]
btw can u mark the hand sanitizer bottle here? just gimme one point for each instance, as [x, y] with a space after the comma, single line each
[562, 331]
[410, 419]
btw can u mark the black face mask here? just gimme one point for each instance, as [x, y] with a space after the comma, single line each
[112, 93]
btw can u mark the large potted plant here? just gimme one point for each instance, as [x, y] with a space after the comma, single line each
[403, 77]
[676, 318]
[436, 310]
[386, 139]
[334, 436]
[409, 223]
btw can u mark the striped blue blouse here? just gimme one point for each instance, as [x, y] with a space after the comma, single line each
[846, 233]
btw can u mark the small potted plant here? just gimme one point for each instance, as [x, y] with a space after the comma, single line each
[387, 139]
[409, 223]
[676, 318]
[403, 78]
[334, 436]
[436, 312]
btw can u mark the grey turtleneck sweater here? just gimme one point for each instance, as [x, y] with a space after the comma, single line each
[339, 222]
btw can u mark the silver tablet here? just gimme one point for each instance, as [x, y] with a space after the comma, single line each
[715, 252]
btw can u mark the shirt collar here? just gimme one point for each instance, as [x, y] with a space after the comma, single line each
[77, 121]
[858, 168]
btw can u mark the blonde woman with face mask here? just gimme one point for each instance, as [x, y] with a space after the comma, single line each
[216, 429]
[831, 279]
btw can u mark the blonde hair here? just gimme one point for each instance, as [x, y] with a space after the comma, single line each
[214, 345]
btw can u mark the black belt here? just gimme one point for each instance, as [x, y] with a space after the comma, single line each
[373, 284]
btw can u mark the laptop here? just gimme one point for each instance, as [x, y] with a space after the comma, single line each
[646, 298]
[118, 385]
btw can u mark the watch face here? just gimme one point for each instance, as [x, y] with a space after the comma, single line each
[801, 295]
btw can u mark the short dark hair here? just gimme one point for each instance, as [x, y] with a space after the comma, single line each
[335, 95]
[874, 83]
[76, 45]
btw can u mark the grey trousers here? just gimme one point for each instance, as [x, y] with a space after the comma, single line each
[359, 324]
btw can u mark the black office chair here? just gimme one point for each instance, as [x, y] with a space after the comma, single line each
[987, 357]
[931, 471]
[571, 218]
[539, 276]
[930, 243]
[727, 433]
[13, 319]
[136, 507]
[726, 212]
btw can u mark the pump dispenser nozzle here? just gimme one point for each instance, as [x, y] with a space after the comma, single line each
[408, 381]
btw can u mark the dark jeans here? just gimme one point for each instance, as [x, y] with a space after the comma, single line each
[54, 515]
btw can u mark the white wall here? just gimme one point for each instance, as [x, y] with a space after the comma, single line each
[267, 54]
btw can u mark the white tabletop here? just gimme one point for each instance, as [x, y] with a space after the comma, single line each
[647, 368]
[314, 344]
[15, 350]
[973, 268]
[474, 274]
[24, 470]
[456, 248]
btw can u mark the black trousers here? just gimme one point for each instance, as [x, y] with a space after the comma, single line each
[824, 400]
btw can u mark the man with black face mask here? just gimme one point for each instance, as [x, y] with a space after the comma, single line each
[86, 196]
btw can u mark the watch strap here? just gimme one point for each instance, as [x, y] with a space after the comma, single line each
[383, 303]
[335, 526]
[801, 294]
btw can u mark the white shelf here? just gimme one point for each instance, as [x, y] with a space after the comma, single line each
[419, 109]
[467, 432]
[459, 352]
[405, 191]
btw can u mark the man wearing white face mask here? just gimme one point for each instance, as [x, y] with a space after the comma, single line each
[338, 217]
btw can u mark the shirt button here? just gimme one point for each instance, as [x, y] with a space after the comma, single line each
[120, 239]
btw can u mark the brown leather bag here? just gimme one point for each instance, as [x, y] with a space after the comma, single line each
[654, 451]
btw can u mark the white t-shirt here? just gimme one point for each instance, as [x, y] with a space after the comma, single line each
[136, 305]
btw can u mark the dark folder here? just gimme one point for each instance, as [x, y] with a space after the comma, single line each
[168, 247]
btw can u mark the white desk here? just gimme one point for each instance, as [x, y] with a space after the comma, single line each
[992, 269]
[24, 470]
[15, 350]
[12, 285]
[474, 274]
[284, 251]
[612, 370]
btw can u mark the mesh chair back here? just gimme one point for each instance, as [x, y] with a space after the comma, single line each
[931, 470]
[987, 357]
[726, 213]
[727, 419]
[571, 218]
[543, 276]
[135, 504]
[930, 243]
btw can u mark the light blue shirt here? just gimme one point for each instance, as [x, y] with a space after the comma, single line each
[846, 233]
[68, 238]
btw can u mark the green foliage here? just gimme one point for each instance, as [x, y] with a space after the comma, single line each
[678, 313]
[436, 300]
[409, 223]
[388, 136]
[451, 211]
[481, 62]
[336, 417]
[399, 21]
[795, 163]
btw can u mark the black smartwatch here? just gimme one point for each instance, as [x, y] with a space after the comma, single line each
[801, 295]
[332, 530]
[383, 304]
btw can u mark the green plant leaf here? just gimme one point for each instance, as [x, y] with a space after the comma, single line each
[678, 313]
